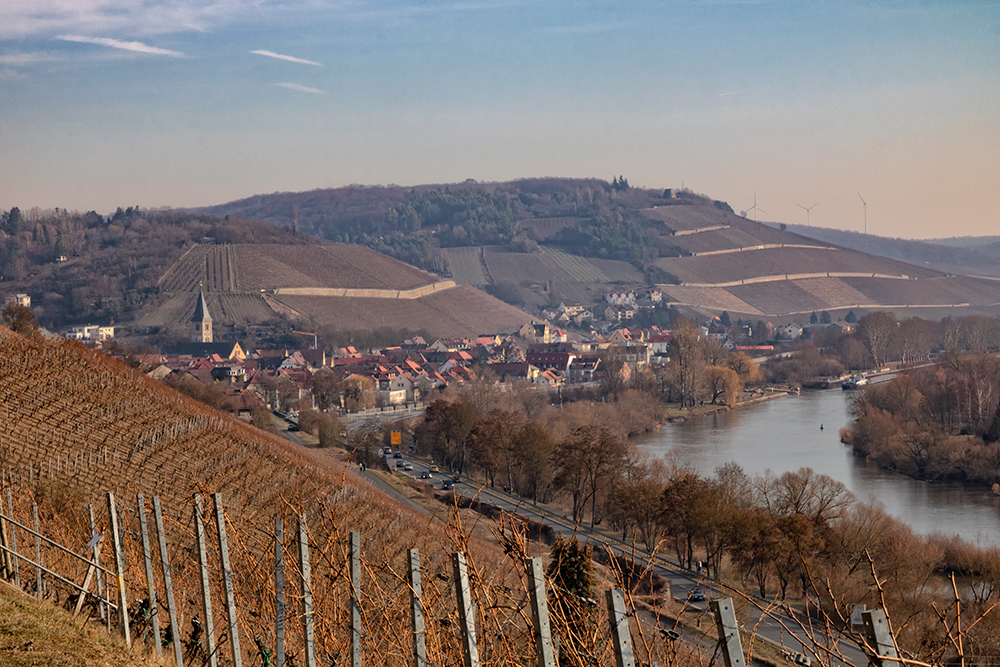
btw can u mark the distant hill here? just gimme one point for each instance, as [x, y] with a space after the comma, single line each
[541, 241]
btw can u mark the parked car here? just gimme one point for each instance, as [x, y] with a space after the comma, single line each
[292, 426]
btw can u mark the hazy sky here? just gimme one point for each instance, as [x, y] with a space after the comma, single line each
[192, 102]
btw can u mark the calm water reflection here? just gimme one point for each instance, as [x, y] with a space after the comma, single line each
[784, 434]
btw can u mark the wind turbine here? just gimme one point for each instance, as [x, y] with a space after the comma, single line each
[755, 209]
[864, 205]
[807, 209]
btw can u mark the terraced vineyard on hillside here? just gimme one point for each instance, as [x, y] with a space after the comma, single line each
[78, 425]
[352, 288]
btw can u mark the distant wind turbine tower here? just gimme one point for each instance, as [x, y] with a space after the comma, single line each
[807, 209]
[864, 205]
[755, 209]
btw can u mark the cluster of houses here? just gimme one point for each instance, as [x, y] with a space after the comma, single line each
[538, 354]
[621, 307]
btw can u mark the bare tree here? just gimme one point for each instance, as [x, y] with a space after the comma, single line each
[876, 331]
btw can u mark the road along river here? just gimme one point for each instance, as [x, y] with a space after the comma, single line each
[785, 434]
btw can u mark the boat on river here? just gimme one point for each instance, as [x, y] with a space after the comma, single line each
[854, 382]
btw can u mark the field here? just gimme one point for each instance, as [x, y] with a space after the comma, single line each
[783, 261]
[460, 311]
[251, 268]
[579, 269]
[713, 298]
[681, 218]
[543, 229]
[835, 292]
[514, 267]
[466, 265]
[778, 297]
[177, 309]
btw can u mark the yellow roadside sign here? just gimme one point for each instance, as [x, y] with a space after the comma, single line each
[397, 438]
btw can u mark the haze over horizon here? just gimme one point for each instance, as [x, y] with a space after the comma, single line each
[107, 103]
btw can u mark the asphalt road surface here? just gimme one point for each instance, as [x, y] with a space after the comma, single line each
[778, 629]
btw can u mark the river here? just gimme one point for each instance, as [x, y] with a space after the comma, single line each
[784, 434]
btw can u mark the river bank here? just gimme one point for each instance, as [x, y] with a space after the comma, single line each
[783, 436]
[683, 414]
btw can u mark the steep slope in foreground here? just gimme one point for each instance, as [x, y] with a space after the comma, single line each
[34, 632]
[75, 424]
[342, 286]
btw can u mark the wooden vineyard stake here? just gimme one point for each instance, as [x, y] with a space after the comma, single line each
[307, 601]
[206, 596]
[116, 541]
[154, 617]
[466, 610]
[100, 575]
[227, 580]
[6, 564]
[355, 544]
[168, 587]
[91, 570]
[417, 611]
[279, 592]
[618, 617]
[13, 540]
[540, 612]
[38, 552]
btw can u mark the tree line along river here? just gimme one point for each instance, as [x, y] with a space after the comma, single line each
[784, 434]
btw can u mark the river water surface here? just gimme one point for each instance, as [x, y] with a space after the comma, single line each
[784, 434]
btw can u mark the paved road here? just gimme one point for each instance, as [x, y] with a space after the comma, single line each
[783, 631]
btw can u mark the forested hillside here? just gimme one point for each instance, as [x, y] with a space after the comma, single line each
[598, 219]
[85, 267]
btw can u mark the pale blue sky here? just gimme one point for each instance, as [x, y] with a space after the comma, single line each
[131, 102]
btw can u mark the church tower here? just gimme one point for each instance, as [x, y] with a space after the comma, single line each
[201, 321]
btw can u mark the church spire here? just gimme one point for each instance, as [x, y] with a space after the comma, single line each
[202, 320]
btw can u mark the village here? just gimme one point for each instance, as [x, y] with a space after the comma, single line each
[349, 380]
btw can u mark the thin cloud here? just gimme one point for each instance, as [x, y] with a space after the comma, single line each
[291, 59]
[23, 58]
[138, 47]
[299, 87]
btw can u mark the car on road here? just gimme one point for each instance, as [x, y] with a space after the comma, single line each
[456, 479]
[447, 484]
[397, 455]
[399, 464]
[434, 469]
[292, 426]
[407, 466]
[426, 475]
[697, 595]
